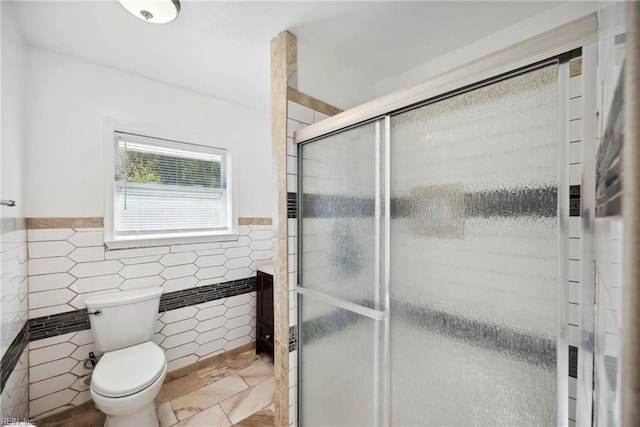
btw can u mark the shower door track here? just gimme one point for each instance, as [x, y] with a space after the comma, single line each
[552, 44]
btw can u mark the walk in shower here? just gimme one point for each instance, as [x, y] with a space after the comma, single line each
[431, 278]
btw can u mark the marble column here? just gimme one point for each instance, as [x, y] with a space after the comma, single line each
[283, 75]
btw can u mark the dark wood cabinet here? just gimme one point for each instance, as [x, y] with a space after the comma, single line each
[264, 313]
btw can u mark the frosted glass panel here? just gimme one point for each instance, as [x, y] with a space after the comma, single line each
[474, 256]
[336, 366]
[337, 186]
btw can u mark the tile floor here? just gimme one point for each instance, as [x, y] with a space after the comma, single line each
[236, 391]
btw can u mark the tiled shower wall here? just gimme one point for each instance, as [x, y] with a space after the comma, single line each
[14, 291]
[575, 179]
[68, 264]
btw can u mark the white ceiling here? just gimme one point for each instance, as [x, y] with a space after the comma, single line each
[222, 48]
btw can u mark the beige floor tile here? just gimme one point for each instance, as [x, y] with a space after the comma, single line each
[211, 417]
[266, 359]
[257, 372]
[166, 417]
[264, 418]
[207, 396]
[198, 398]
[227, 367]
[90, 418]
[250, 401]
[179, 387]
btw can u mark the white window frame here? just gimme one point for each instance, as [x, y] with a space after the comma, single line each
[112, 241]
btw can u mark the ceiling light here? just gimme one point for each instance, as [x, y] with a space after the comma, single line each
[156, 11]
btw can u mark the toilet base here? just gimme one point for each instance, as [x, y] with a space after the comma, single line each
[135, 410]
[146, 417]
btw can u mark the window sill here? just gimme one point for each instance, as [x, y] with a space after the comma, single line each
[148, 242]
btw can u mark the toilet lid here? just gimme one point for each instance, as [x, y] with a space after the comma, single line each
[129, 370]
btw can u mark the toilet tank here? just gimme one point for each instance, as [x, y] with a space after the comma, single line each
[126, 318]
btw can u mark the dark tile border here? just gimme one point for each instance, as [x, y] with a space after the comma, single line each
[78, 320]
[201, 294]
[573, 361]
[58, 324]
[12, 355]
[531, 202]
[519, 345]
[332, 206]
[293, 338]
[292, 205]
[574, 200]
[512, 202]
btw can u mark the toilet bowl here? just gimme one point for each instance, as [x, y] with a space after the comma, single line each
[125, 383]
[129, 375]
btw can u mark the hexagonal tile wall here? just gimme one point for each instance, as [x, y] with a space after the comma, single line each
[14, 308]
[57, 364]
[71, 264]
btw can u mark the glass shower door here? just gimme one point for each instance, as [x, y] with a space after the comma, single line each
[339, 295]
[474, 256]
[429, 266]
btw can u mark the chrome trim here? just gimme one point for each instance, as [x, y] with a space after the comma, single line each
[528, 52]
[562, 350]
[630, 388]
[378, 219]
[378, 358]
[349, 306]
[298, 274]
[386, 385]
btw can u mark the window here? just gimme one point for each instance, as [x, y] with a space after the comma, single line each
[166, 191]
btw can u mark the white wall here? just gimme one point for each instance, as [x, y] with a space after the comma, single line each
[13, 85]
[321, 76]
[521, 31]
[331, 81]
[14, 284]
[68, 101]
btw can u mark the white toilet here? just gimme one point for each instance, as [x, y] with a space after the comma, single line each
[129, 375]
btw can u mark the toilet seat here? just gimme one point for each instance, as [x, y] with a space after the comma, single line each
[127, 371]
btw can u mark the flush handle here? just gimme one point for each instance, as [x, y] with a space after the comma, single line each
[95, 313]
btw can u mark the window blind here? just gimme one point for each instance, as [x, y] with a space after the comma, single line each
[168, 187]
